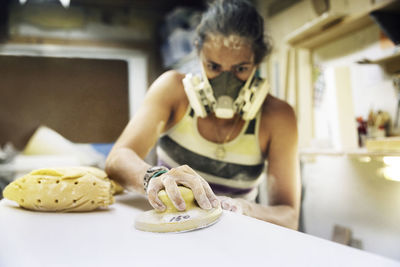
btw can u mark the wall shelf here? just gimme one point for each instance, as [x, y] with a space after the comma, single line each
[363, 152]
[320, 152]
[381, 60]
[315, 34]
[390, 62]
[360, 152]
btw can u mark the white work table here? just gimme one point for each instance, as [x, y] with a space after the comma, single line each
[108, 238]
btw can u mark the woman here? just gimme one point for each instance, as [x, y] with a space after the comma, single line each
[207, 138]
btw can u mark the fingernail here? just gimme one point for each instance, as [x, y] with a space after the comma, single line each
[160, 208]
[215, 203]
[182, 206]
[207, 205]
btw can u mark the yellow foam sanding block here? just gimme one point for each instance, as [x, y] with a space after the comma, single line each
[63, 189]
[173, 220]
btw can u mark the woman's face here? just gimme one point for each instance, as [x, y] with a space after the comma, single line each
[233, 53]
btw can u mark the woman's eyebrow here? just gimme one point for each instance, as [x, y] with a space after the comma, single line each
[212, 62]
[233, 66]
[243, 63]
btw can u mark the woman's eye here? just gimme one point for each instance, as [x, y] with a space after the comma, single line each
[213, 67]
[240, 69]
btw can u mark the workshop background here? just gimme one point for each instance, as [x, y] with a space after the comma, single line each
[74, 72]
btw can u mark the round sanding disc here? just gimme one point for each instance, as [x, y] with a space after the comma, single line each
[194, 218]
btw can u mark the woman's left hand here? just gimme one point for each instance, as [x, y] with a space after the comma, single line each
[231, 204]
[186, 176]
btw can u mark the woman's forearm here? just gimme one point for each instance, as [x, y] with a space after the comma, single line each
[282, 215]
[127, 168]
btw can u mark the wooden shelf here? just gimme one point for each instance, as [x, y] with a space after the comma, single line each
[360, 152]
[381, 60]
[315, 34]
[320, 152]
[300, 36]
[390, 63]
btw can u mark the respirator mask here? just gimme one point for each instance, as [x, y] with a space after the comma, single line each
[226, 88]
[225, 94]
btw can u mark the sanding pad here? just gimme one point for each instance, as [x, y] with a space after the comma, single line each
[172, 220]
[62, 189]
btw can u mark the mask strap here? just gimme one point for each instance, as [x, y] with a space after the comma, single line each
[209, 94]
[246, 85]
[203, 72]
[239, 101]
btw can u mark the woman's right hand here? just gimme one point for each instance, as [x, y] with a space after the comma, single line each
[186, 176]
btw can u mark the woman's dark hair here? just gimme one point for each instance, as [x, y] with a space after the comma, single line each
[237, 17]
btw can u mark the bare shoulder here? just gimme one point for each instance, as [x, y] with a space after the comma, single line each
[169, 80]
[172, 76]
[278, 123]
[167, 91]
[168, 88]
[276, 111]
